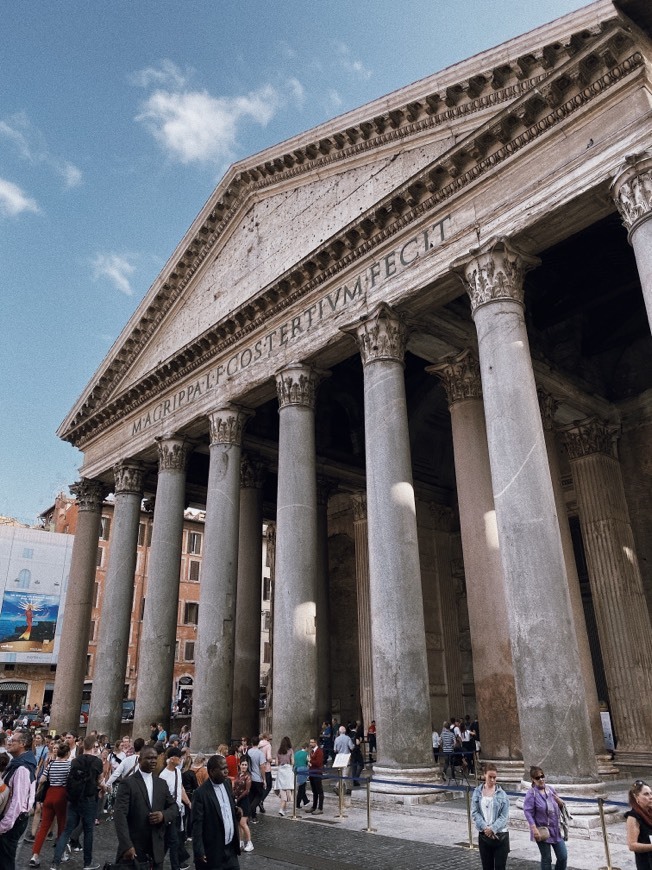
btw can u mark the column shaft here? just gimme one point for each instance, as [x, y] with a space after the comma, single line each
[113, 642]
[547, 671]
[364, 607]
[71, 665]
[246, 685]
[159, 630]
[618, 599]
[493, 670]
[448, 603]
[400, 672]
[324, 488]
[294, 711]
[214, 650]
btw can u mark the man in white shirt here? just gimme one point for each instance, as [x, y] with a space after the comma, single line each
[128, 765]
[172, 776]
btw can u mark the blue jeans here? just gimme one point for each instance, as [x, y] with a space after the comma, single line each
[561, 854]
[86, 811]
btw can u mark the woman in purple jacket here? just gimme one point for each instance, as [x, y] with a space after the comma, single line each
[541, 807]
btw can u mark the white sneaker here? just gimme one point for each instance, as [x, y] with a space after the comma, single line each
[34, 861]
[249, 847]
[281, 813]
[241, 844]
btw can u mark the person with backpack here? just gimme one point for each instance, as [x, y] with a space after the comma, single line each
[20, 775]
[82, 791]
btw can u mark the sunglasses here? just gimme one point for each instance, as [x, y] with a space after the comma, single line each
[640, 782]
[543, 776]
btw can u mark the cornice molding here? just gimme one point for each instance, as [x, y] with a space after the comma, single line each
[583, 68]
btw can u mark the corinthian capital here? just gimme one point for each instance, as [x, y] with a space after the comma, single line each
[494, 271]
[631, 189]
[226, 424]
[381, 336]
[252, 472]
[359, 505]
[296, 384]
[460, 376]
[129, 477]
[89, 494]
[548, 406]
[588, 437]
[173, 452]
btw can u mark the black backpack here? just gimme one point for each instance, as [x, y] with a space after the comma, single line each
[78, 777]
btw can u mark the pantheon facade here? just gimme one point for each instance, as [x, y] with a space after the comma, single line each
[415, 339]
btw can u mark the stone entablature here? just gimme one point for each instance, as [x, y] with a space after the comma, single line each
[604, 62]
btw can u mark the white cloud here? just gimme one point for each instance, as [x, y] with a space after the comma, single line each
[351, 64]
[116, 268]
[13, 200]
[30, 144]
[167, 74]
[334, 98]
[297, 91]
[193, 126]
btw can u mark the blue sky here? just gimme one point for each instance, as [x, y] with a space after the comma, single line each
[118, 118]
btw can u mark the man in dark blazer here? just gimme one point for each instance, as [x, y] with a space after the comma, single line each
[215, 832]
[143, 807]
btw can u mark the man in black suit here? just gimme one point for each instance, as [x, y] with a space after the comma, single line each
[215, 832]
[142, 809]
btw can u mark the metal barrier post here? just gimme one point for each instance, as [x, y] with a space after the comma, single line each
[295, 817]
[604, 836]
[341, 814]
[369, 829]
[471, 844]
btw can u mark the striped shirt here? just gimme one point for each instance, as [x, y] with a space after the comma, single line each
[58, 771]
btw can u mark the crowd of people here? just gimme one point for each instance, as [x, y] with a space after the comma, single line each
[163, 800]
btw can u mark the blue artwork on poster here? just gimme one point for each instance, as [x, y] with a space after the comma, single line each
[28, 622]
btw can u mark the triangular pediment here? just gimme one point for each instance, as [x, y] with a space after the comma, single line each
[283, 220]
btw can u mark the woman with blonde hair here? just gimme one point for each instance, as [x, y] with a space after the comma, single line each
[490, 814]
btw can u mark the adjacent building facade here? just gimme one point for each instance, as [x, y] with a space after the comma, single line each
[417, 339]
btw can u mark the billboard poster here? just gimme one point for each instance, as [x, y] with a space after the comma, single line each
[34, 568]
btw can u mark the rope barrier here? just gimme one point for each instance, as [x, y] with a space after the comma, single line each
[466, 789]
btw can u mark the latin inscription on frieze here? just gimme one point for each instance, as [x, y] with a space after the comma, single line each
[284, 335]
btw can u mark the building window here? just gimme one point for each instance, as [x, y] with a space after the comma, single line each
[265, 620]
[142, 609]
[190, 612]
[194, 543]
[193, 571]
[267, 655]
[176, 651]
[96, 595]
[189, 651]
[267, 588]
[98, 561]
[142, 531]
[53, 669]
[105, 528]
[89, 665]
[91, 632]
[10, 667]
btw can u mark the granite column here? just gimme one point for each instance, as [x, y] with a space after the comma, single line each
[73, 650]
[493, 669]
[324, 489]
[547, 670]
[212, 703]
[246, 676]
[294, 677]
[359, 502]
[632, 193]
[618, 598]
[113, 642]
[400, 673]
[159, 629]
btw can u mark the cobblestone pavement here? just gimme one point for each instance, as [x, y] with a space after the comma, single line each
[281, 844]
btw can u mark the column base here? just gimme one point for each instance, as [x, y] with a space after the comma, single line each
[405, 781]
[606, 767]
[633, 757]
[509, 770]
[589, 790]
